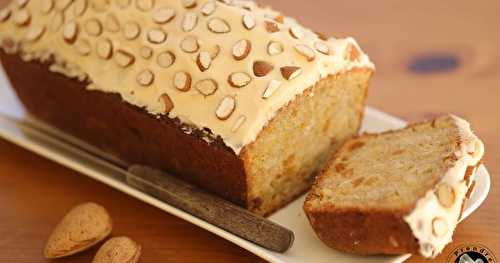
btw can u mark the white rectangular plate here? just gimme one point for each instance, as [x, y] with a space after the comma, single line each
[307, 247]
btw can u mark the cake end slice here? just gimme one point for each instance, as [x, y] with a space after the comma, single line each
[397, 192]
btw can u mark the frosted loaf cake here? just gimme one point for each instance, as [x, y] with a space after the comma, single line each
[233, 97]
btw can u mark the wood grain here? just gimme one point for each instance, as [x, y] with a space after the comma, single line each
[455, 45]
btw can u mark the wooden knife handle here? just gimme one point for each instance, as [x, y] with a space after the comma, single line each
[210, 208]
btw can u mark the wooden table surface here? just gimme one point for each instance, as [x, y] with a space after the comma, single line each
[432, 57]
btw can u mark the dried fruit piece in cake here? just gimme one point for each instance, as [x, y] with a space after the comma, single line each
[397, 192]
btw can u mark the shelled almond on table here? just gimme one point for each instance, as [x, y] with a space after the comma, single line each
[83, 227]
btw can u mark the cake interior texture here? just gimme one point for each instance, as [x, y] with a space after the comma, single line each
[361, 200]
[389, 171]
[282, 162]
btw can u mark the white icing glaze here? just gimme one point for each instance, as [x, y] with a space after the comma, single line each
[99, 66]
[429, 232]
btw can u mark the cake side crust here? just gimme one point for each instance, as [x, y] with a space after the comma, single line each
[363, 232]
[107, 122]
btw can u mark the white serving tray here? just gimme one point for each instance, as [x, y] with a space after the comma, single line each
[307, 247]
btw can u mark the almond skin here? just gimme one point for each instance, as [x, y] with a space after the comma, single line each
[262, 68]
[290, 72]
[81, 228]
[271, 27]
[118, 249]
[241, 49]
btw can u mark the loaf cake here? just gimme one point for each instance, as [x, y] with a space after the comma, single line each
[397, 192]
[231, 96]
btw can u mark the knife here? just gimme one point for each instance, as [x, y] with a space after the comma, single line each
[158, 184]
[210, 208]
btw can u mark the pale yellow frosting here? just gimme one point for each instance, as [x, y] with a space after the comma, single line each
[194, 60]
[432, 222]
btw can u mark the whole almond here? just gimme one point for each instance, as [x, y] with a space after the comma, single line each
[208, 8]
[167, 101]
[118, 249]
[248, 21]
[352, 53]
[271, 27]
[189, 21]
[280, 19]
[213, 51]
[163, 15]
[22, 18]
[226, 108]
[145, 78]
[241, 49]
[439, 227]
[93, 27]
[271, 88]
[189, 3]
[83, 226]
[322, 48]
[238, 123]
[290, 72]
[82, 46]
[296, 32]
[34, 33]
[262, 68]
[305, 51]
[206, 87]
[239, 79]
[124, 58]
[190, 44]
[445, 195]
[218, 25]
[145, 5]
[204, 60]
[182, 81]
[274, 48]
[70, 32]
[5, 14]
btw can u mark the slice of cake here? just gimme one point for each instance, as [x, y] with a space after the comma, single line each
[229, 95]
[396, 192]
